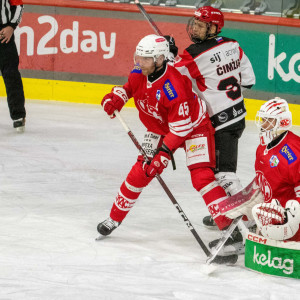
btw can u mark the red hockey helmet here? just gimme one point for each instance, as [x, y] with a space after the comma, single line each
[209, 14]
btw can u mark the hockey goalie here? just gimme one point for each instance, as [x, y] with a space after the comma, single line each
[276, 209]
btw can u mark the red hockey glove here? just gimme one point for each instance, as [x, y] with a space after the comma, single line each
[114, 100]
[158, 163]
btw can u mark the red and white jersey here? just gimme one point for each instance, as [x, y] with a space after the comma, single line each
[167, 106]
[219, 70]
[278, 170]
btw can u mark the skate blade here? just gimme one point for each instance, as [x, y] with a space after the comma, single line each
[100, 237]
[20, 129]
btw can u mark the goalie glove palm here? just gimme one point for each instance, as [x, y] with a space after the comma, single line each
[275, 222]
[114, 101]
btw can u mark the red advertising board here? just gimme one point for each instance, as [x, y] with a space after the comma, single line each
[87, 45]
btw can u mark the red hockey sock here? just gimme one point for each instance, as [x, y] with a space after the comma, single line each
[203, 180]
[213, 194]
[129, 192]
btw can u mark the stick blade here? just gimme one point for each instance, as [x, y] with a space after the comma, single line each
[224, 260]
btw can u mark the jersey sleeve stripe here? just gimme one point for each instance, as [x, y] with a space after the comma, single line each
[241, 53]
[181, 128]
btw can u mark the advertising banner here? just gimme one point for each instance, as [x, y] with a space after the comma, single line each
[275, 59]
[265, 256]
[105, 46]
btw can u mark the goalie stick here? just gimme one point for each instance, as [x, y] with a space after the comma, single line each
[229, 259]
[148, 18]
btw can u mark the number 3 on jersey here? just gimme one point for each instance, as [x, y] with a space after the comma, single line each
[183, 109]
[232, 85]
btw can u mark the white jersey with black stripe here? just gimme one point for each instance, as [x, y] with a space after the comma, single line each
[11, 12]
[219, 70]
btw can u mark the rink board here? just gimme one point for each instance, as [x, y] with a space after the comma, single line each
[272, 257]
[92, 93]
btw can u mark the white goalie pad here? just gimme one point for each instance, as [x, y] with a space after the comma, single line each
[242, 203]
[275, 222]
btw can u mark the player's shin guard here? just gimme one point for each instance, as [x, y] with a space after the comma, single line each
[213, 194]
[203, 180]
[129, 192]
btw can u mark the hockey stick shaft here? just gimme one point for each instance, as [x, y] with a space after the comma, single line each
[166, 189]
[148, 18]
[223, 239]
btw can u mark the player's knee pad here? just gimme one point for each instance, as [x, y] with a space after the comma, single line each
[129, 191]
[137, 175]
[201, 177]
[229, 182]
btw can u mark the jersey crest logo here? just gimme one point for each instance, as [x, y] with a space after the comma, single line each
[136, 69]
[288, 154]
[169, 90]
[158, 95]
[274, 161]
[264, 185]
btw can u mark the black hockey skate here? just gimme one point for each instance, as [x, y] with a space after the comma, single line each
[19, 125]
[108, 226]
[209, 222]
[234, 245]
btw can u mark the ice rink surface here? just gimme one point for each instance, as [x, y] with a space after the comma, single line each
[58, 180]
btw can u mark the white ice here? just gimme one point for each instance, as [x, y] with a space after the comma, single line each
[58, 180]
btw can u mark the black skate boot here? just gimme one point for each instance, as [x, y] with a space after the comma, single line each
[233, 245]
[209, 222]
[108, 226]
[19, 125]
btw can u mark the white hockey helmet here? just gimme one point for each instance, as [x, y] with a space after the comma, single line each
[153, 46]
[273, 118]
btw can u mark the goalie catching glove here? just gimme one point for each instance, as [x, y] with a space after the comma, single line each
[276, 222]
[114, 101]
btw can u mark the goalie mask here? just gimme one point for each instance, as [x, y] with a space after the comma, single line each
[209, 15]
[273, 118]
[152, 46]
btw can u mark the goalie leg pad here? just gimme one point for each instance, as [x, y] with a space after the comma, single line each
[129, 192]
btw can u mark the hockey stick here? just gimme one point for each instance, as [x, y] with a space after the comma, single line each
[230, 259]
[148, 18]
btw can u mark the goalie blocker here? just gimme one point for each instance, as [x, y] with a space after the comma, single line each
[272, 257]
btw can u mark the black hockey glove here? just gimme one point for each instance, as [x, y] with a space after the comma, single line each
[173, 47]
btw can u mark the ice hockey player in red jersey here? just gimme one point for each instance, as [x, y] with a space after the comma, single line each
[277, 168]
[276, 209]
[219, 71]
[174, 117]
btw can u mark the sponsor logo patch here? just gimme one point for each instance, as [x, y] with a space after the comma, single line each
[274, 161]
[194, 148]
[158, 95]
[288, 154]
[223, 117]
[169, 90]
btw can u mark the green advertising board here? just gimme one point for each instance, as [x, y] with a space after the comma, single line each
[275, 58]
[265, 257]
